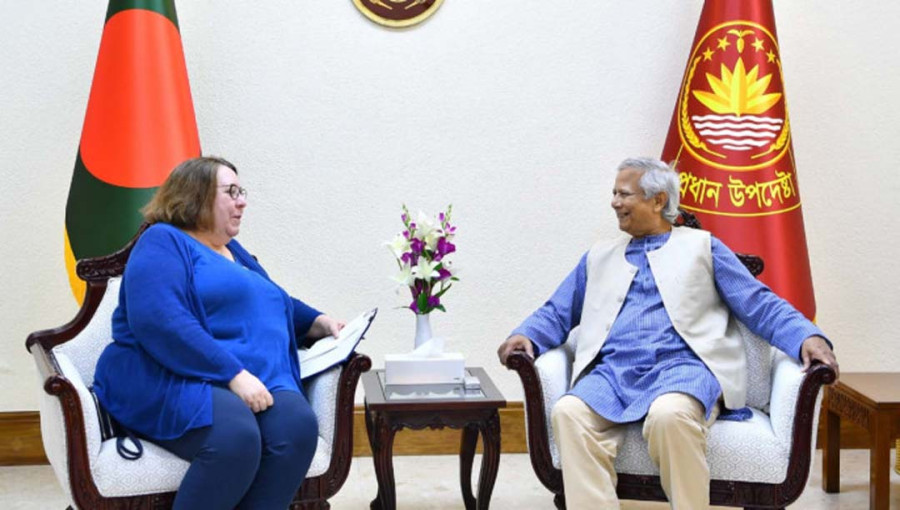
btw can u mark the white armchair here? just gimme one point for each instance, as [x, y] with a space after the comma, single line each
[759, 463]
[88, 465]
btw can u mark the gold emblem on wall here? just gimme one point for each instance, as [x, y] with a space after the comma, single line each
[397, 13]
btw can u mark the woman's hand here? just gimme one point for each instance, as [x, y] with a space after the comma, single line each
[324, 326]
[252, 391]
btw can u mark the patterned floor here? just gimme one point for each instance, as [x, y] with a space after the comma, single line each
[433, 483]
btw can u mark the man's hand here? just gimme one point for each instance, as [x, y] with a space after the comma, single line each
[252, 391]
[816, 348]
[515, 343]
[324, 326]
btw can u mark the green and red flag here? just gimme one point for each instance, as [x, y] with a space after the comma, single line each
[730, 137]
[138, 126]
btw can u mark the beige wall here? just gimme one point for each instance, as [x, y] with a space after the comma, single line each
[516, 111]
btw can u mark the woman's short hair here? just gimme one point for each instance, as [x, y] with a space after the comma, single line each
[657, 177]
[186, 199]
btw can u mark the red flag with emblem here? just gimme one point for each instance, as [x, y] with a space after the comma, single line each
[730, 137]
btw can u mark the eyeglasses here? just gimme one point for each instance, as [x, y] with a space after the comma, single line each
[235, 191]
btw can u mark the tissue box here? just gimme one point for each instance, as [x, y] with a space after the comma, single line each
[448, 368]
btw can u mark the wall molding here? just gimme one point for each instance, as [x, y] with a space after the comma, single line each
[20, 437]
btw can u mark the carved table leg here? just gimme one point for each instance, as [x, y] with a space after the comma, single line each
[831, 453]
[466, 458]
[381, 438]
[880, 462]
[490, 460]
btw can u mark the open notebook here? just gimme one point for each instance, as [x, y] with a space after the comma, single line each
[329, 351]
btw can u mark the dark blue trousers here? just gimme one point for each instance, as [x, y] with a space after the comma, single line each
[245, 460]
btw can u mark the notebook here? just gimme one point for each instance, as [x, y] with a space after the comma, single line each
[330, 351]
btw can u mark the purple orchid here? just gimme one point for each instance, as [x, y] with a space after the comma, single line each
[445, 247]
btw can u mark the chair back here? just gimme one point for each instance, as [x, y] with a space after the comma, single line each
[85, 348]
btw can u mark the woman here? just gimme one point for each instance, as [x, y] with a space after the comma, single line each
[204, 359]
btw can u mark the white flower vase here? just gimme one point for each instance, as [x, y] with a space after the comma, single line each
[423, 328]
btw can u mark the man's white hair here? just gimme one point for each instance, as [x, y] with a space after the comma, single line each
[657, 177]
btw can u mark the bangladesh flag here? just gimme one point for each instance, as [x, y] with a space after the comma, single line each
[139, 125]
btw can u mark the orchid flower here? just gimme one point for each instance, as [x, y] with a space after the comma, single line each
[425, 270]
[399, 245]
[450, 267]
[405, 277]
[422, 250]
[424, 226]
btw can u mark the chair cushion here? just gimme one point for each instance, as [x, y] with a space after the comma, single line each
[160, 471]
[759, 368]
[746, 451]
[156, 471]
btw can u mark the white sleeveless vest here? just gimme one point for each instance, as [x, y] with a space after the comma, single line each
[683, 271]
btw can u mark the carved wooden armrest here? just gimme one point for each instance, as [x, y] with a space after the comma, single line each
[535, 412]
[803, 435]
[316, 490]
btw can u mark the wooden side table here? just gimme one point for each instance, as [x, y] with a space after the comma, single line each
[391, 408]
[872, 401]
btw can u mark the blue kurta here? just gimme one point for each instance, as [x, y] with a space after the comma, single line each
[644, 357]
[155, 377]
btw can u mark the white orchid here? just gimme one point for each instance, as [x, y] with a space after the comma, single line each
[428, 231]
[424, 226]
[405, 277]
[432, 238]
[398, 246]
[450, 267]
[425, 270]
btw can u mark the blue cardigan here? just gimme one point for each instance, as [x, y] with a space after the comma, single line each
[155, 377]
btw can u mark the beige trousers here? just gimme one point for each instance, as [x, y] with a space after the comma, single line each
[675, 429]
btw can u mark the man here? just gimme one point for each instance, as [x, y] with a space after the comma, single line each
[656, 341]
